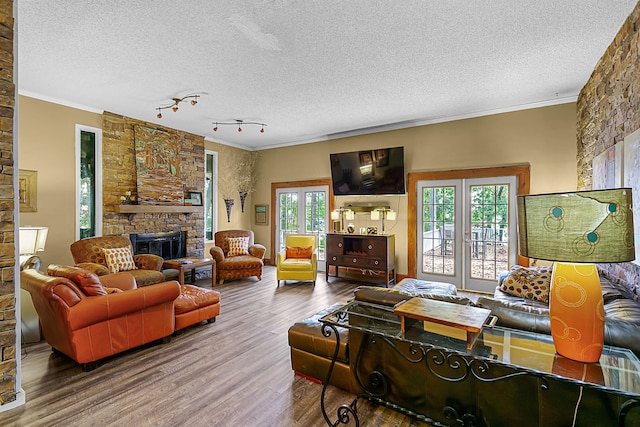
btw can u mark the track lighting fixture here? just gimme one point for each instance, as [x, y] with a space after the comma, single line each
[176, 101]
[238, 123]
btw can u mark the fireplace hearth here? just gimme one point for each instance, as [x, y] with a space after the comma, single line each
[168, 245]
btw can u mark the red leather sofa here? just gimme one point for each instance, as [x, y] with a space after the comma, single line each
[89, 318]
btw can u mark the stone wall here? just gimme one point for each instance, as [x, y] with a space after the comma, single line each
[119, 176]
[609, 110]
[8, 338]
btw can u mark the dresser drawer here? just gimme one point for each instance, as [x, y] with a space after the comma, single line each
[354, 261]
[376, 262]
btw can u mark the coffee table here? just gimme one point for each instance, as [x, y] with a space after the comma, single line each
[467, 319]
[509, 376]
[190, 264]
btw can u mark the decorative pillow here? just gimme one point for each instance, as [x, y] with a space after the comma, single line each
[298, 252]
[528, 282]
[119, 259]
[86, 280]
[238, 246]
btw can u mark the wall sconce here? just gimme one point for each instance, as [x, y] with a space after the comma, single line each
[32, 240]
[238, 123]
[342, 213]
[176, 101]
[382, 214]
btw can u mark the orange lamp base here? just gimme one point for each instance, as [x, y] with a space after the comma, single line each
[576, 311]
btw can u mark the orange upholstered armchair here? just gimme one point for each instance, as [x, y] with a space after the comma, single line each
[89, 318]
[100, 256]
[237, 255]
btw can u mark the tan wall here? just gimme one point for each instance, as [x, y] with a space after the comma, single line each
[46, 144]
[238, 219]
[545, 138]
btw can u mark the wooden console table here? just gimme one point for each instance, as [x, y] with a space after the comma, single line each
[372, 256]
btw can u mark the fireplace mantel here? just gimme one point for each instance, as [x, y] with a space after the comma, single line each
[134, 209]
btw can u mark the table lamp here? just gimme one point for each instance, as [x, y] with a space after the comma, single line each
[383, 213]
[32, 240]
[576, 230]
[340, 214]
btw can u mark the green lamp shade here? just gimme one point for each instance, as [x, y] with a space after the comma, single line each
[583, 226]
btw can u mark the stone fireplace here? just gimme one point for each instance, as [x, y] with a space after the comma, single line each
[119, 177]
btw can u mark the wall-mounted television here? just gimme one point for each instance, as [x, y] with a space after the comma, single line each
[368, 172]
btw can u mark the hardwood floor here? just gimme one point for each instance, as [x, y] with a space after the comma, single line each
[234, 372]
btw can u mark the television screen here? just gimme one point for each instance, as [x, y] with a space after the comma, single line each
[379, 171]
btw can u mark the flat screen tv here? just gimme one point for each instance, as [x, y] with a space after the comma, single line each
[368, 172]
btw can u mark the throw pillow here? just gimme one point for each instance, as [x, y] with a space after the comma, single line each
[238, 246]
[531, 283]
[298, 252]
[85, 280]
[119, 259]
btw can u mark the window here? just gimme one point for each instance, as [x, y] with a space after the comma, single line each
[210, 194]
[89, 182]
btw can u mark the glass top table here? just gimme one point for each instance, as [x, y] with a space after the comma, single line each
[618, 368]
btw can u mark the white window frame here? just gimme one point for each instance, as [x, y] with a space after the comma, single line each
[214, 195]
[98, 190]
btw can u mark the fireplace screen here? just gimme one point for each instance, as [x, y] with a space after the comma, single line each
[168, 245]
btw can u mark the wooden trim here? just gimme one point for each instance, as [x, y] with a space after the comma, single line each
[521, 172]
[132, 210]
[293, 184]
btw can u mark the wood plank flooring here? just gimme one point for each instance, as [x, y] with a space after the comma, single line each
[234, 372]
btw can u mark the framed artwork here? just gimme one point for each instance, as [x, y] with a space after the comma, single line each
[27, 190]
[631, 178]
[261, 214]
[196, 198]
[158, 169]
[607, 168]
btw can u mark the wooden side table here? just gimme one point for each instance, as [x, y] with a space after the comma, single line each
[190, 264]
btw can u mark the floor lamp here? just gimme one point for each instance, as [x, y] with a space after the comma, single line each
[576, 230]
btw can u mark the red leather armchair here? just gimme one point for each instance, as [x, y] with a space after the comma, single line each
[90, 318]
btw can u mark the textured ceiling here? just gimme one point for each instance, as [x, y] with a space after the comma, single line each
[310, 70]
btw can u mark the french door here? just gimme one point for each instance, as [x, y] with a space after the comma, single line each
[466, 231]
[303, 210]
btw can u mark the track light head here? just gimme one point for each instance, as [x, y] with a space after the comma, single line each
[174, 107]
[239, 123]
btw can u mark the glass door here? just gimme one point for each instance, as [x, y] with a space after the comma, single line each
[465, 230]
[303, 210]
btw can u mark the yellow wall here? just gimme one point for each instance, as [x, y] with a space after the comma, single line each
[545, 138]
[46, 144]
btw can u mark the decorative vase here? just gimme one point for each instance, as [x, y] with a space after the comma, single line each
[229, 204]
[243, 195]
